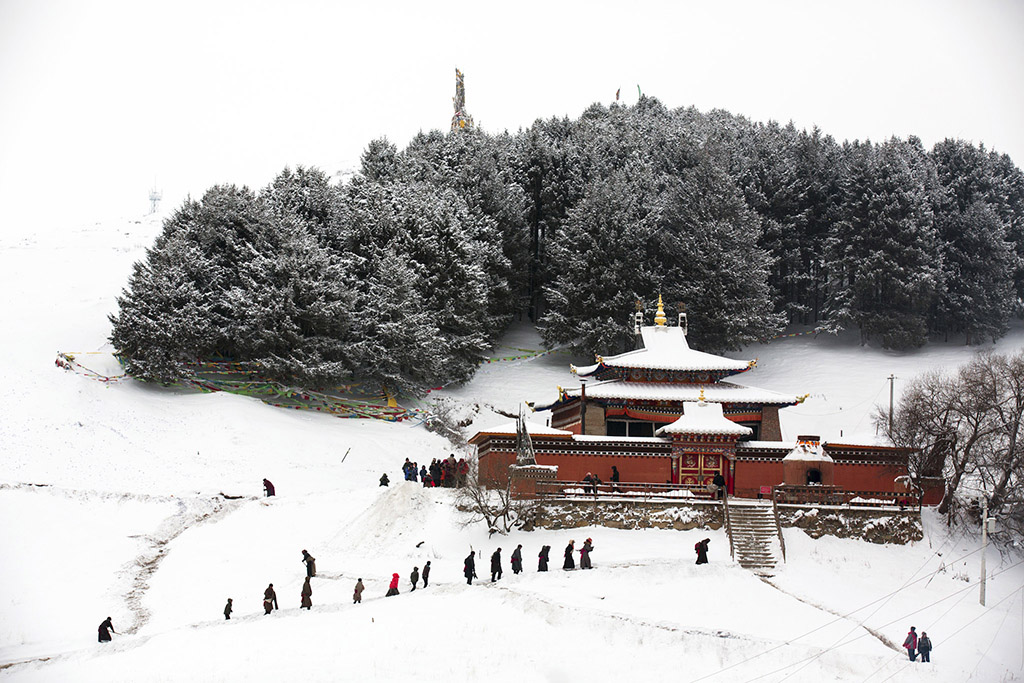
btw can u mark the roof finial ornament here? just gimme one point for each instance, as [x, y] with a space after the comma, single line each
[701, 399]
[660, 318]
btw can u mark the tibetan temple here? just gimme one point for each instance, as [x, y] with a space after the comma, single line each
[665, 414]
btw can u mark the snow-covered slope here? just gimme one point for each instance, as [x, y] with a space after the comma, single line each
[110, 505]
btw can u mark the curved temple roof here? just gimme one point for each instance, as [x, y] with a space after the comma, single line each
[703, 418]
[665, 348]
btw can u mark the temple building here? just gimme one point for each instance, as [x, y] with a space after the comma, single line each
[665, 414]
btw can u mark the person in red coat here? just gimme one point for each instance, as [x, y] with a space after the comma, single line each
[393, 588]
[911, 643]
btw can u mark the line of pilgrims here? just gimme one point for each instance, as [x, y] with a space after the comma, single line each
[569, 563]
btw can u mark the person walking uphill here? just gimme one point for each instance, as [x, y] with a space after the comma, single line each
[269, 599]
[228, 609]
[542, 558]
[569, 562]
[702, 551]
[911, 643]
[517, 559]
[310, 563]
[426, 573]
[105, 629]
[470, 568]
[306, 595]
[414, 577]
[357, 593]
[924, 646]
[496, 565]
[393, 588]
[268, 487]
[585, 551]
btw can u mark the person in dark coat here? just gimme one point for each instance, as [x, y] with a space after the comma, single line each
[569, 562]
[615, 479]
[542, 558]
[384, 479]
[268, 487]
[414, 577]
[426, 573]
[496, 565]
[517, 559]
[719, 481]
[105, 629]
[306, 595]
[269, 599]
[357, 593]
[701, 549]
[393, 588]
[911, 643]
[228, 609]
[310, 563]
[924, 646]
[585, 551]
[588, 483]
[470, 568]
[424, 476]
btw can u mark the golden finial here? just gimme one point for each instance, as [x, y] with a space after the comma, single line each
[801, 399]
[660, 318]
[572, 368]
[701, 399]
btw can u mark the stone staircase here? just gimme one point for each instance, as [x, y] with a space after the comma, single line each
[754, 536]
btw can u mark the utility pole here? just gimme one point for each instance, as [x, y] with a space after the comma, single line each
[892, 383]
[984, 548]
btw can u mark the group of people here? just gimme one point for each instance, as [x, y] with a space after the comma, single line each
[414, 580]
[469, 565]
[447, 472]
[915, 645]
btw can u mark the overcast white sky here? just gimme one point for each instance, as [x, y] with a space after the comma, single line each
[100, 100]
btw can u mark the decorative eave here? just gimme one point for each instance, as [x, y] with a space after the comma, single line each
[509, 429]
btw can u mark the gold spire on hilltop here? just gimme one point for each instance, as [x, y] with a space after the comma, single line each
[660, 318]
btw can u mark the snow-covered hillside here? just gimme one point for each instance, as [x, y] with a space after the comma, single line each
[110, 504]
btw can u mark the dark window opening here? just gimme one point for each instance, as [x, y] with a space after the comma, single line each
[755, 434]
[632, 427]
[813, 476]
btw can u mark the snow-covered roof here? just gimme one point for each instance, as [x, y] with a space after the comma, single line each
[665, 348]
[808, 450]
[719, 392]
[534, 428]
[701, 417]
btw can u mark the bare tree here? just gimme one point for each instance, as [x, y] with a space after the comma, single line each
[491, 501]
[968, 425]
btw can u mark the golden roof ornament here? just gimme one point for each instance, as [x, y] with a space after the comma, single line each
[701, 399]
[660, 318]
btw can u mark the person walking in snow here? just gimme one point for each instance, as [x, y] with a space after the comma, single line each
[105, 629]
[227, 609]
[384, 479]
[470, 568]
[701, 549]
[269, 599]
[310, 563]
[569, 562]
[426, 573]
[517, 559]
[306, 595]
[393, 588]
[414, 577]
[496, 565]
[357, 594]
[924, 646]
[268, 488]
[911, 643]
[585, 554]
[542, 558]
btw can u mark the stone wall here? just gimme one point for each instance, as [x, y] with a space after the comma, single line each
[870, 524]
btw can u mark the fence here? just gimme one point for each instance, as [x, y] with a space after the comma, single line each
[833, 495]
[629, 491]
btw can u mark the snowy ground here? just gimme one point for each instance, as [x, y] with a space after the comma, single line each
[110, 504]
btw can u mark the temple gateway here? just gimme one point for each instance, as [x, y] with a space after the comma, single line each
[664, 414]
